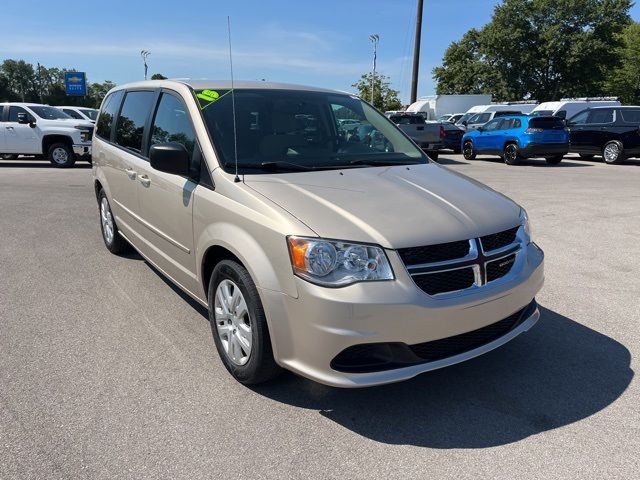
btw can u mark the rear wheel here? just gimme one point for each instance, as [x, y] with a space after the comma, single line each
[468, 151]
[61, 155]
[586, 156]
[613, 152]
[511, 154]
[555, 160]
[239, 325]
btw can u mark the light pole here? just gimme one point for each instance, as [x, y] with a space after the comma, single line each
[375, 38]
[416, 53]
[144, 54]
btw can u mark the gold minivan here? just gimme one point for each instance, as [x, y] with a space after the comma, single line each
[320, 237]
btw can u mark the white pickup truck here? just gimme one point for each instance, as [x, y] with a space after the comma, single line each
[33, 129]
[428, 136]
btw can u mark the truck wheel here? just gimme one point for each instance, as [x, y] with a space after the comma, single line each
[114, 242]
[239, 325]
[511, 154]
[433, 156]
[468, 150]
[9, 156]
[555, 160]
[613, 152]
[586, 156]
[61, 155]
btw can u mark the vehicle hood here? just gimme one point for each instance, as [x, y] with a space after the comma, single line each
[65, 123]
[395, 207]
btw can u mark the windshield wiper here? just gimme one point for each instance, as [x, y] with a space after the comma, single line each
[383, 163]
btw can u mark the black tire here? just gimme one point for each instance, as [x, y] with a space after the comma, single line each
[260, 366]
[61, 155]
[586, 156]
[9, 156]
[511, 154]
[613, 152]
[115, 243]
[468, 151]
[433, 155]
[555, 160]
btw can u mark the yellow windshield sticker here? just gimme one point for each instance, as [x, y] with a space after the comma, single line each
[208, 97]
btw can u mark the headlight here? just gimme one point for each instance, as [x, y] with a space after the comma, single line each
[524, 220]
[336, 264]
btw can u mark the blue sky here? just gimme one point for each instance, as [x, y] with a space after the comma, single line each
[323, 43]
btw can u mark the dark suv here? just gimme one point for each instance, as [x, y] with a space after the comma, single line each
[613, 132]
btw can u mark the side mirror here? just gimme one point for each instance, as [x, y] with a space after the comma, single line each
[465, 123]
[23, 119]
[170, 157]
[480, 129]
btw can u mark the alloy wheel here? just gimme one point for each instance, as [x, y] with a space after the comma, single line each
[611, 152]
[107, 221]
[233, 322]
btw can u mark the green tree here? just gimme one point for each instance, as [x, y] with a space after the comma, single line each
[384, 97]
[96, 93]
[158, 76]
[624, 81]
[542, 49]
[21, 80]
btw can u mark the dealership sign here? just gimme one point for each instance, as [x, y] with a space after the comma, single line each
[75, 83]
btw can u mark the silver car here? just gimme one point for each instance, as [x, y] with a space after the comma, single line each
[351, 261]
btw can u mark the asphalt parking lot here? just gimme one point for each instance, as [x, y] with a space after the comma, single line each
[107, 371]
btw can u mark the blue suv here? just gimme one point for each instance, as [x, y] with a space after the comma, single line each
[517, 137]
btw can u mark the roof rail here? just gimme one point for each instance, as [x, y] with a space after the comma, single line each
[590, 99]
[518, 102]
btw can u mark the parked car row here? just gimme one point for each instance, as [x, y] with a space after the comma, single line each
[42, 130]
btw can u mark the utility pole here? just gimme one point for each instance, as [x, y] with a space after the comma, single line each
[416, 54]
[375, 38]
[144, 54]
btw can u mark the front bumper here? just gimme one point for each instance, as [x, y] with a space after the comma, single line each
[308, 332]
[544, 149]
[82, 149]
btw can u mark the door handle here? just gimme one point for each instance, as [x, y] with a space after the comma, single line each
[144, 180]
[9, 128]
[131, 173]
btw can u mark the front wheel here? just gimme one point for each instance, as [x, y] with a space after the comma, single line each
[555, 160]
[613, 152]
[511, 154]
[239, 325]
[468, 151]
[61, 155]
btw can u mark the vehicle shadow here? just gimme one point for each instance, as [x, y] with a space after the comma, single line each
[558, 373]
[37, 164]
[449, 161]
[537, 162]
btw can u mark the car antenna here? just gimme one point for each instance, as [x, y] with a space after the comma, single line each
[233, 103]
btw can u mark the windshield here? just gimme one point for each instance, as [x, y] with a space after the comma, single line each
[298, 130]
[89, 112]
[49, 113]
[465, 117]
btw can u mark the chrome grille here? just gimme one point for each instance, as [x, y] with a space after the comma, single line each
[461, 265]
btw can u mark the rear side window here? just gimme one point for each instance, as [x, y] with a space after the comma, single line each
[172, 123]
[109, 110]
[133, 117]
[481, 118]
[547, 123]
[604, 115]
[631, 115]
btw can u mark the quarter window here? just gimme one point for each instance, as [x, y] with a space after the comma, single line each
[172, 123]
[110, 107]
[630, 115]
[133, 117]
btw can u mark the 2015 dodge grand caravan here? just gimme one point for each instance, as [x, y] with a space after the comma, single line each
[353, 260]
